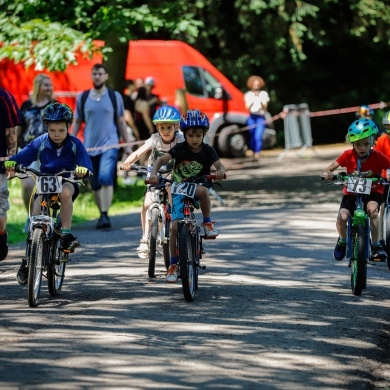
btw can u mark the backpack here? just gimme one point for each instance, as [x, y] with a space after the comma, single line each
[84, 97]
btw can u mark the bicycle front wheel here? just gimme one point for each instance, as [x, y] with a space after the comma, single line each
[358, 261]
[56, 268]
[165, 246]
[187, 263]
[155, 213]
[35, 268]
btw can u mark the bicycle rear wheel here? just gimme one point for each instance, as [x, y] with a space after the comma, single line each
[187, 263]
[386, 233]
[155, 213]
[358, 261]
[35, 267]
[56, 268]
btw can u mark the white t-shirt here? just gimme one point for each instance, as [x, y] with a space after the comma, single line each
[159, 148]
[258, 102]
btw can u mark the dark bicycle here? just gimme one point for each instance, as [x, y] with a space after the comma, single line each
[44, 255]
[358, 227]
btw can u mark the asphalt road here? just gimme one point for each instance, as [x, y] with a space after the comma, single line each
[273, 309]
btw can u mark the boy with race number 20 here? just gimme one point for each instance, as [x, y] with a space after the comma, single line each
[362, 134]
[193, 158]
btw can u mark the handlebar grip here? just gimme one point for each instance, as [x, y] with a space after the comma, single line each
[214, 177]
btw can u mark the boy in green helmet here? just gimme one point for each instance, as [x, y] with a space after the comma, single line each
[362, 134]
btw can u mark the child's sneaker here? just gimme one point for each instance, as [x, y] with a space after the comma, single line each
[209, 230]
[3, 246]
[69, 242]
[22, 273]
[377, 253]
[340, 250]
[143, 249]
[172, 274]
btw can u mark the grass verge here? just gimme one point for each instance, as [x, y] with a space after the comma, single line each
[126, 198]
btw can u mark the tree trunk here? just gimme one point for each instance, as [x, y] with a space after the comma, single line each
[116, 63]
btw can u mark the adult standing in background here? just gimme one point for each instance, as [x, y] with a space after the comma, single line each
[256, 101]
[32, 126]
[102, 111]
[153, 99]
[9, 119]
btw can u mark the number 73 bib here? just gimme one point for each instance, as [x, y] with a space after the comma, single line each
[359, 185]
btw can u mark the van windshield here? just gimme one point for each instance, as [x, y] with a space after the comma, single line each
[199, 82]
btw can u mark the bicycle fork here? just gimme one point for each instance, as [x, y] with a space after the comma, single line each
[359, 219]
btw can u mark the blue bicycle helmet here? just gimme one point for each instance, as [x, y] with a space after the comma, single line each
[57, 112]
[361, 129]
[166, 114]
[194, 118]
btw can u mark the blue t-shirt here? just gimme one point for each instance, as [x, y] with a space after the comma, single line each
[100, 129]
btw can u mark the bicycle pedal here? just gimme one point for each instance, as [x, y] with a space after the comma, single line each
[202, 266]
[377, 260]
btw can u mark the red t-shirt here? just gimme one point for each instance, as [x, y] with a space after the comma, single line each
[376, 163]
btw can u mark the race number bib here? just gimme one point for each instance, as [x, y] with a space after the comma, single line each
[359, 185]
[49, 185]
[187, 189]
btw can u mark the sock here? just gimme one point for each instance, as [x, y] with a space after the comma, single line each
[342, 240]
[65, 231]
[173, 260]
[104, 213]
[206, 220]
[375, 244]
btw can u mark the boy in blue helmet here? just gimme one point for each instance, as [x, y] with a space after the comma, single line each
[362, 134]
[166, 119]
[55, 151]
[193, 158]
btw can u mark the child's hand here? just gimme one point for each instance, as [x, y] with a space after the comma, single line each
[10, 168]
[220, 175]
[328, 175]
[153, 179]
[126, 166]
[80, 172]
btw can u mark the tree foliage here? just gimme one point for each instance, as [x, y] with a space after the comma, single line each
[328, 53]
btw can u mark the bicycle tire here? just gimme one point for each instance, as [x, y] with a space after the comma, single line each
[155, 213]
[358, 261]
[56, 269]
[166, 252]
[35, 268]
[386, 231]
[187, 263]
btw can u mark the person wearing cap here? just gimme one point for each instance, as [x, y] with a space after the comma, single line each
[153, 99]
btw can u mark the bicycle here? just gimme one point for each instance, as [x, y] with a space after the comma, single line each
[189, 241]
[159, 220]
[386, 229]
[358, 227]
[43, 248]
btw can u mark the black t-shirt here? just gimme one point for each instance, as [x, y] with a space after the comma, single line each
[32, 125]
[128, 103]
[190, 165]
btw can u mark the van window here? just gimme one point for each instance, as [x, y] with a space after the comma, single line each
[199, 82]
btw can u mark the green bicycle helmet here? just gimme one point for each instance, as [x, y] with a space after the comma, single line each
[166, 114]
[361, 129]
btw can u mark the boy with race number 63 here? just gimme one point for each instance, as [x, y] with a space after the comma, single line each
[362, 134]
[193, 158]
[55, 151]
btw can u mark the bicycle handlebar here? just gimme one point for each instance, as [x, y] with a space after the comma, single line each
[343, 176]
[162, 181]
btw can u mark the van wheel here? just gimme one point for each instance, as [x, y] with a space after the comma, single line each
[232, 142]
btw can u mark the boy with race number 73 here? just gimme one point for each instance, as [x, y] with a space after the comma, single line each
[362, 134]
[193, 158]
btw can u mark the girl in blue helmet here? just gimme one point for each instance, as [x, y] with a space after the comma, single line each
[166, 119]
[55, 151]
[193, 158]
[362, 134]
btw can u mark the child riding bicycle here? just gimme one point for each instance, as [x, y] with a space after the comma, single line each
[362, 134]
[193, 158]
[166, 119]
[383, 145]
[55, 151]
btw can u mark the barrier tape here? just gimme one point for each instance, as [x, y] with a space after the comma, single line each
[281, 115]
